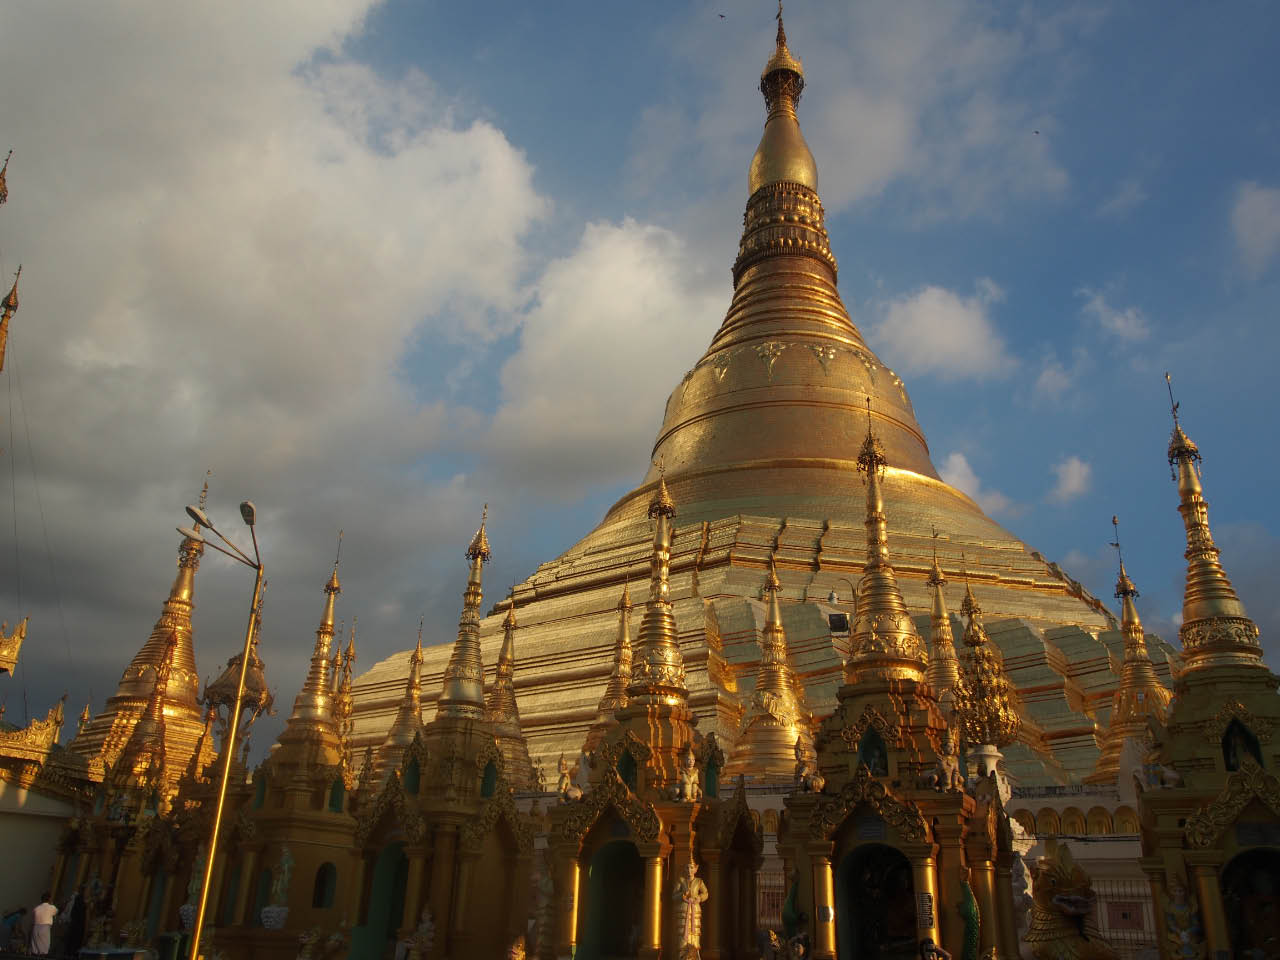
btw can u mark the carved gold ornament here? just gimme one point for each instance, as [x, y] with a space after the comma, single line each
[903, 815]
[1248, 783]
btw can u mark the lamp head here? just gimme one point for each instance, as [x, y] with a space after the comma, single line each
[199, 516]
[191, 534]
[832, 597]
[247, 512]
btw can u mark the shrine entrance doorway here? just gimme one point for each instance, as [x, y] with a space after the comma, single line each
[612, 885]
[385, 904]
[875, 905]
[1251, 897]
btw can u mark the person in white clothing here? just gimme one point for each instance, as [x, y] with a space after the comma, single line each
[42, 926]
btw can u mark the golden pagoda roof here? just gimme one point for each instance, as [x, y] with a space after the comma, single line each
[11, 644]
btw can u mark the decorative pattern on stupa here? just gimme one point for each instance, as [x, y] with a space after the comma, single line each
[463, 694]
[884, 643]
[776, 720]
[615, 691]
[504, 713]
[986, 710]
[1141, 695]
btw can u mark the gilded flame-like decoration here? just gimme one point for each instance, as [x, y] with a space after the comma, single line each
[610, 793]
[1140, 694]
[8, 307]
[1215, 629]
[500, 807]
[657, 668]
[884, 642]
[11, 644]
[776, 723]
[862, 788]
[408, 722]
[944, 666]
[1245, 785]
[985, 699]
[463, 694]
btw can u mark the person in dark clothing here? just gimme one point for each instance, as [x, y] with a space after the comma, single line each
[77, 913]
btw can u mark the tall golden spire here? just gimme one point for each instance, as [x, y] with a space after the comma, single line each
[463, 694]
[312, 722]
[1140, 695]
[141, 765]
[1215, 629]
[344, 701]
[4, 185]
[985, 709]
[944, 665]
[408, 721]
[615, 691]
[775, 721]
[783, 156]
[503, 711]
[885, 644]
[657, 668]
[8, 307]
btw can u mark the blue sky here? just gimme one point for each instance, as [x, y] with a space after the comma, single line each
[365, 262]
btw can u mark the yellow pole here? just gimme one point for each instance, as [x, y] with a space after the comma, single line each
[229, 751]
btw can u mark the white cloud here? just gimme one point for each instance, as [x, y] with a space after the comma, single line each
[1255, 219]
[619, 320]
[1129, 324]
[935, 331]
[1073, 479]
[1053, 381]
[957, 472]
[1128, 196]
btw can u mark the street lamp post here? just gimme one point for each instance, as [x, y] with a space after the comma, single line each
[248, 513]
[833, 598]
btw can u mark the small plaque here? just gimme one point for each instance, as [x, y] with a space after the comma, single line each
[870, 830]
[925, 911]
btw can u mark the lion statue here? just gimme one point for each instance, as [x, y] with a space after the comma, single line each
[1062, 910]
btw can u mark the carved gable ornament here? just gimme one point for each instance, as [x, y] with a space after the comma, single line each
[609, 793]
[1246, 784]
[391, 802]
[904, 816]
[500, 806]
[1215, 727]
[871, 717]
[735, 812]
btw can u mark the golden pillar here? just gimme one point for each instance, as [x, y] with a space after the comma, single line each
[355, 893]
[461, 938]
[248, 884]
[215, 888]
[441, 899]
[924, 878]
[747, 908]
[984, 888]
[567, 912]
[824, 909]
[167, 908]
[413, 889]
[1007, 935]
[1205, 866]
[1153, 867]
[82, 866]
[59, 866]
[651, 925]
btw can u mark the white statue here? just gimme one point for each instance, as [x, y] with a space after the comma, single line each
[690, 894]
[689, 788]
[280, 879]
[807, 779]
[946, 775]
[564, 785]
[582, 772]
[419, 942]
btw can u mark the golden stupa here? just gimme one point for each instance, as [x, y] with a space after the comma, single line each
[759, 447]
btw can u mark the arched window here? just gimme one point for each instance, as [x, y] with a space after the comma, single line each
[412, 777]
[1126, 821]
[259, 791]
[489, 782]
[337, 794]
[1238, 742]
[325, 887]
[627, 769]
[1099, 823]
[1073, 822]
[1047, 823]
[1026, 820]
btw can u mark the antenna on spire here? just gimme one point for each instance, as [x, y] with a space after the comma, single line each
[204, 491]
[1168, 382]
[339, 554]
[934, 532]
[1115, 523]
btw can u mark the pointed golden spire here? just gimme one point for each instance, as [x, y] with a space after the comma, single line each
[4, 170]
[463, 693]
[314, 703]
[615, 691]
[657, 668]
[1140, 694]
[885, 644]
[344, 700]
[11, 645]
[783, 155]
[85, 717]
[141, 764]
[8, 307]
[944, 665]
[503, 711]
[408, 721]
[776, 721]
[986, 708]
[1215, 629]
[333, 678]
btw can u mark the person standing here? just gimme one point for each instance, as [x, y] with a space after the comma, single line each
[42, 926]
[76, 916]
